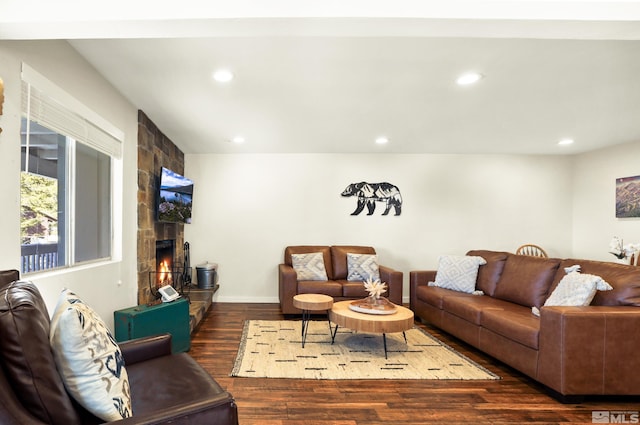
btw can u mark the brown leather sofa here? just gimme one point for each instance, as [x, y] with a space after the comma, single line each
[574, 351]
[165, 388]
[335, 262]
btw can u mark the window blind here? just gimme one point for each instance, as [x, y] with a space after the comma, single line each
[50, 106]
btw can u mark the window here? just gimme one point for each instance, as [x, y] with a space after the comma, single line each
[66, 179]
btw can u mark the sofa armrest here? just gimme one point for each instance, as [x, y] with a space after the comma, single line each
[220, 409]
[421, 277]
[417, 278]
[589, 350]
[145, 348]
[393, 279]
[287, 288]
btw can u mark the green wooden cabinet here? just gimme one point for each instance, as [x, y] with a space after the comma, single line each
[144, 320]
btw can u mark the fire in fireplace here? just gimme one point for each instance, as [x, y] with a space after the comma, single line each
[165, 254]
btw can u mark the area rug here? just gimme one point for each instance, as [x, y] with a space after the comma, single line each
[273, 349]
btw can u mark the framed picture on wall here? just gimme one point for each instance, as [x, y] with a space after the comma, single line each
[628, 197]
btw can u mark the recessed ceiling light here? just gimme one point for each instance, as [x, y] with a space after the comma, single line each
[565, 142]
[468, 78]
[238, 140]
[382, 140]
[223, 76]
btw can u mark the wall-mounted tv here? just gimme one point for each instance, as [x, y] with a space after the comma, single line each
[175, 197]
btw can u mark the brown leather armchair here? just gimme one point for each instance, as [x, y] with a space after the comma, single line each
[337, 285]
[165, 387]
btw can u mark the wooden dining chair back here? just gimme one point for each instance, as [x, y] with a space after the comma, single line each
[531, 250]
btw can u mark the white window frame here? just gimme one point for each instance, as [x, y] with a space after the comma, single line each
[52, 107]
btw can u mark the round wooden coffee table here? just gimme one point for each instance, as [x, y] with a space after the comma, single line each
[342, 315]
[308, 303]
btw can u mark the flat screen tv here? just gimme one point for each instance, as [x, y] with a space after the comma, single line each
[175, 197]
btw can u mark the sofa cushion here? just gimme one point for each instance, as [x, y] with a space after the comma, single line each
[89, 360]
[182, 384]
[469, 307]
[526, 280]
[575, 289]
[458, 273]
[489, 274]
[432, 295]
[514, 322]
[309, 266]
[305, 249]
[361, 267]
[353, 289]
[26, 355]
[339, 258]
[330, 287]
[624, 279]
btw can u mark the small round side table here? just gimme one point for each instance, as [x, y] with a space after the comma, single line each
[312, 302]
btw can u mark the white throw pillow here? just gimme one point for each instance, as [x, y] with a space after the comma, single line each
[309, 266]
[458, 272]
[361, 267]
[575, 289]
[88, 359]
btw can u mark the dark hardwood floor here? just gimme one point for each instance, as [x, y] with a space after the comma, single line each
[514, 399]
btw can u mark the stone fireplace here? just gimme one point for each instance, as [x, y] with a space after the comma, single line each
[155, 150]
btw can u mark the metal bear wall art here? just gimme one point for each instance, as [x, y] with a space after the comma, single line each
[370, 193]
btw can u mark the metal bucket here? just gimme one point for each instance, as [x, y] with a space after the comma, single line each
[207, 275]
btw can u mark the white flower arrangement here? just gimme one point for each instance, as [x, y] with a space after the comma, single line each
[375, 288]
[620, 250]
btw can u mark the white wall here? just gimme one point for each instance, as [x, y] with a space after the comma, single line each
[248, 208]
[97, 284]
[594, 195]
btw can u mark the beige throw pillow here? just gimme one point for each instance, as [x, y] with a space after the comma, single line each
[458, 272]
[362, 267]
[309, 266]
[575, 289]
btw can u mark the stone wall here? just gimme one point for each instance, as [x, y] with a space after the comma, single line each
[155, 150]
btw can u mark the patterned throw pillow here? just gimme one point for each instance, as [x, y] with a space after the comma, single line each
[309, 266]
[361, 267]
[575, 289]
[458, 272]
[89, 360]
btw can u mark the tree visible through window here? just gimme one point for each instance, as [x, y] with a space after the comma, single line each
[42, 198]
[38, 208]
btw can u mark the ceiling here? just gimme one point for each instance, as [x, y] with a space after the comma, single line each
[333, 80]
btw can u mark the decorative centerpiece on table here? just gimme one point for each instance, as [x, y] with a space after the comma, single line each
[375, 303]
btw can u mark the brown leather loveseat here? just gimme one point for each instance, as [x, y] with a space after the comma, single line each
[165, 387]
[336, 285]
[574, 351]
